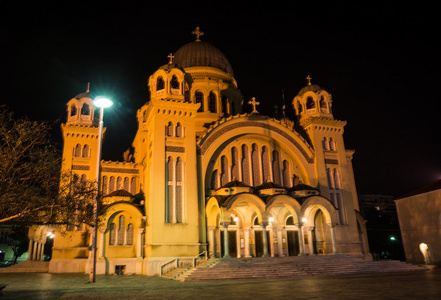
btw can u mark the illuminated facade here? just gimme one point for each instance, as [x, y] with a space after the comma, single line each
[200, 176]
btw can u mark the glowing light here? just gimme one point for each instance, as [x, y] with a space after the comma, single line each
[304, 220]
[236, 219]
[49, 233]
[271, 219]
[102, 102]
[392, 238]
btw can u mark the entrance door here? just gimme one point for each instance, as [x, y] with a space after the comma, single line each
[258, 235]
[232, 243]
[293, 242]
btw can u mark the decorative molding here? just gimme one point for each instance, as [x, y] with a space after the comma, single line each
[119, 170]
[80, 167]
[175, 149]
[331, 161]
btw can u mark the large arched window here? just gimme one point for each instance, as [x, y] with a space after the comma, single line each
[179, 190]
[160, 83]
[73, 110]
[199, 98]
[86, 151]
[276, 167]
[246, 176]
[112, 234]
[111, 184]
[255, 165]
[179, 130]
[77, 150]
[170, 129]
[85, 110]
[234, 163]
[121, 230]
[310, 103]
[105, 185]
[130, 234]
[174, 82]
[266, 173]
[212, 104]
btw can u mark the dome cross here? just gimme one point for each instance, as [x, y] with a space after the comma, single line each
[198, 34]
[254, 103]
[170, 57]
[309, 79]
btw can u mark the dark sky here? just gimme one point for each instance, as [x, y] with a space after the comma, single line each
[379, 61]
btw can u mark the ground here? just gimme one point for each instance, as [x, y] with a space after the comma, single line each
[404, 285]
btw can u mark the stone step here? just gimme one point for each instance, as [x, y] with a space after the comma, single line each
[27, 267]
[265, 268]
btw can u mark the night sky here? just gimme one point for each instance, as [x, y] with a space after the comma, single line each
[380, 62]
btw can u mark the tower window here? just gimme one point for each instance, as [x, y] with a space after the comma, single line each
[212, 103]
[174, 83]
[160, 84]
[225, 105]
[299, 107]
[73, 110]
[199, 98]
[85, 110]
[310, 103]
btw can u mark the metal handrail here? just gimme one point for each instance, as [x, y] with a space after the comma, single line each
[168, 263]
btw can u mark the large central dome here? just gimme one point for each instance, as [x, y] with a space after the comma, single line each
[202, 54]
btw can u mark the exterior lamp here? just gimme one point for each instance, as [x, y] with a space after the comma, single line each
[304, 220]
[101, 103]
[271, 219]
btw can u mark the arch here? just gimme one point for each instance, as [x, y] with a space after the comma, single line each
[247, 200]
[86, 151]
[174, 82]
[77, 150]
[170, 129]
[212, 102]
[160, 83]
[199, 98]
[73, 110]
[310, 103]
[85, 109]
[179, 130]
[314, 203]
[276, 167]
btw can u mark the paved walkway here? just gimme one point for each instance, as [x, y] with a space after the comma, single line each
[405, 285]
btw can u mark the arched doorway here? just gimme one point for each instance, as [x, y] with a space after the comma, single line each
[321, 233]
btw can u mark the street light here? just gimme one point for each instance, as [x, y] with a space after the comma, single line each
[101, 103]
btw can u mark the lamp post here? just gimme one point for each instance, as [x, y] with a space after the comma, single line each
[101, 103]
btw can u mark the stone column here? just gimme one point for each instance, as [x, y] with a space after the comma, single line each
[40, 255]
[310, 242]
[226, 249]
[301, 240]
[334, 244]
[279, 241]
[211, 243]
[30, 250]
[139, 245]
[35, 250]
[265, 240]
[101, 242]
[246, 236]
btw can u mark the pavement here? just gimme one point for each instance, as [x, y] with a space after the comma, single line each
[402, 285]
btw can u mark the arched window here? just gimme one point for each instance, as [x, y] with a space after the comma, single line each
[111, 184]
[170, 129]
[85, 110]
[179, 130]
[169, 207]
[215, 180]
[160, 83]
[126, 183]
[130, 234]
[179, 190]
[133, 185]
[325, 144]
[224, 170]
[235, 163]
[337, 179]
[266, 173]
[255, 165]
[77, 152]
[121, 230]
[310, 103]
[112, 234]
[289, 221]
[323, 103]
[332, 145]
[286, 177]
[118, 183]
[199, 98]
[105, 185]
[276, 167]
[73, 110]
[246, 176]
[174, 82]
[212, 104]
[86, 151]
[331, 182]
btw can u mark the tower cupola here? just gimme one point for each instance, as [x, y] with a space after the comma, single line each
[80, 109]
[313, 101]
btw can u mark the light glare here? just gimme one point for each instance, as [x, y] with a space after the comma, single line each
[102, 102]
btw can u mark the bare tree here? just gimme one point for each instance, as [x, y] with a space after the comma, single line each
[32, 188]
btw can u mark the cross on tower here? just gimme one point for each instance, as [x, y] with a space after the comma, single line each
[198, 34]
[88, 87]
[170, 57]
[309, 80]
[254, 103]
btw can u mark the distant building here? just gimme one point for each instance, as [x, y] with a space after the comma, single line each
[200, 176]
[419, 213]
[382, 225]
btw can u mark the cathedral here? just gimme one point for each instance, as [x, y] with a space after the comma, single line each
[202, 179]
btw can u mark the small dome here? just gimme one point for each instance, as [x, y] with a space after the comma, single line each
[310, 87]
[202, 54]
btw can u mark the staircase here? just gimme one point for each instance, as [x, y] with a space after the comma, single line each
[181, 273]
[27, 267]
[295, 266]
